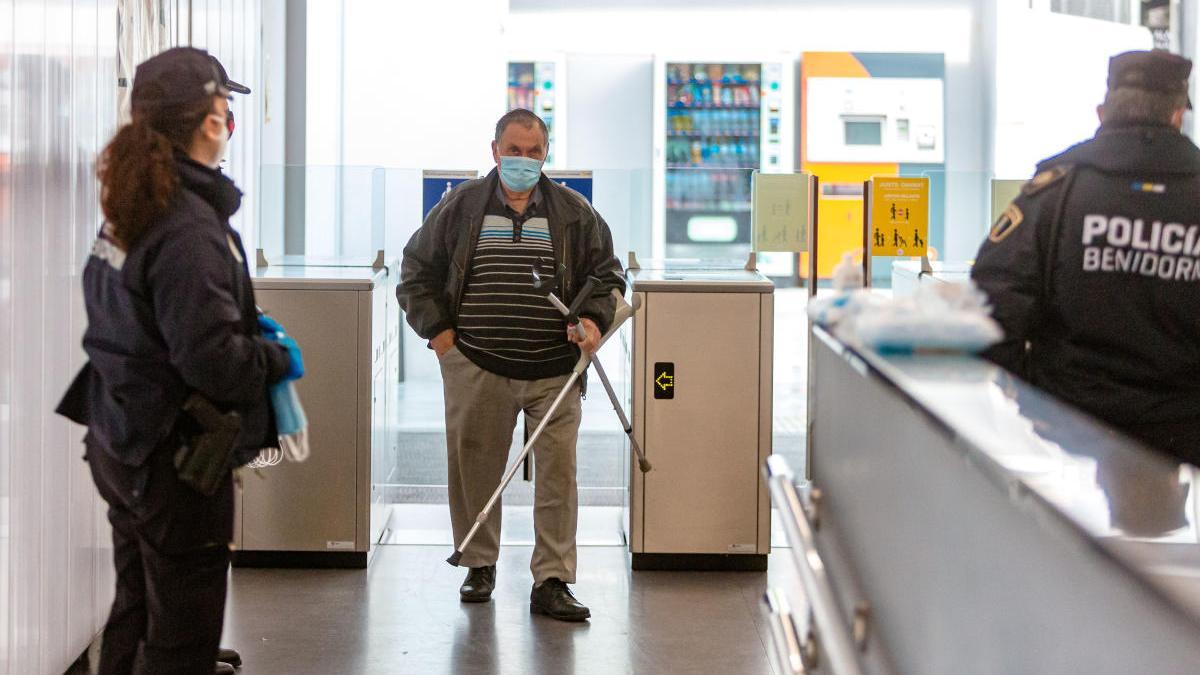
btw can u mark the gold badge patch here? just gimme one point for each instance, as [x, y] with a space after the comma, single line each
[1006, 223]
[1045, 179]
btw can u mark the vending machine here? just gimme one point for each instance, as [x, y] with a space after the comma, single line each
[540, 85]
[716, 122]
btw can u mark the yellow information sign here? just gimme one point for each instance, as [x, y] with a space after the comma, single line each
[779, 212]
[899, 216]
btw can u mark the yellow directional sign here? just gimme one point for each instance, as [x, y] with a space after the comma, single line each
[664, 380]
[899, 216]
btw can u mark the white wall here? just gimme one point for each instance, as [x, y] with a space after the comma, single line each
[58, 108]
[424, 82]
[231, 30]
[1046, 97]
[612, 115]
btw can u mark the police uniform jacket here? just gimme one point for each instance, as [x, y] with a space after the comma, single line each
[1094, 274]
[174, 314]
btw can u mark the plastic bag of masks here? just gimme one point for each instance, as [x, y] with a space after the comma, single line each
[939, 317]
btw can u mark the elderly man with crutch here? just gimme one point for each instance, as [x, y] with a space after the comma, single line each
[466, 286]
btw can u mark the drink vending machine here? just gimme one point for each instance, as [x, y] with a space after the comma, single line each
[716, 122]
[539, 85]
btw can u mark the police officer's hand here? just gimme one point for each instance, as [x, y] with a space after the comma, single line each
[295, 369]
[592, 342]
[269, 327]
[273, 331]
[443, 342]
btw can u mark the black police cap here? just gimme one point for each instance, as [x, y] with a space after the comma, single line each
[235, 87]
[180, 76]
[1155, 71]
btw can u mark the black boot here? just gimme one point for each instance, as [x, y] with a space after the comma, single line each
[479, 584]
[230, 656]
[554, 599]
[224, 669]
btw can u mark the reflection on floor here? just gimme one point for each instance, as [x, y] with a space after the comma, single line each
[429, 524]
[402, 615]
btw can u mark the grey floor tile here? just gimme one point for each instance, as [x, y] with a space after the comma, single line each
[402, 615]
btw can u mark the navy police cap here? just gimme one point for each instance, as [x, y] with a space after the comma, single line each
[179, 76]
[235, 87]
[1154, 71]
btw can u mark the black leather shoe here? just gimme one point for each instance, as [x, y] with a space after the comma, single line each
[230, 656]
[225, 669]
[555, 600]
[479, 584]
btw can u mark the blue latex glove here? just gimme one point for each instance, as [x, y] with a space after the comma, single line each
[271, 330]
[270, 327]
[295, 369]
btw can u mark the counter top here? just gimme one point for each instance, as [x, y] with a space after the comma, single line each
[907, 275]
[278, 277]
[1132, 504]
[688, 280]
[940, 268]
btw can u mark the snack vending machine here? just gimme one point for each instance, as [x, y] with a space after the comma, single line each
[539, 85]
[716, 122]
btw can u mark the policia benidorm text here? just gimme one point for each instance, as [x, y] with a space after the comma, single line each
[1133, 245]
[1093, 269]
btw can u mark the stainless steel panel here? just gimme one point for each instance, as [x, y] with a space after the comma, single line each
[305, 507]
[366, 369]
[636, 520]
[766, 410]
[703, 494]
[965, 572]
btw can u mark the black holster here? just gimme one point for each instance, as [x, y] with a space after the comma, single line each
[206, 453]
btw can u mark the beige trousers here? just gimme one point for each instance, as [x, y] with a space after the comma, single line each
[481, 413]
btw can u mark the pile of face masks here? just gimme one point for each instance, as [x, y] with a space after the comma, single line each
[939, 317]
[292, 425]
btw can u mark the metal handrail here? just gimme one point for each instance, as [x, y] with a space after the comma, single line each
[789, 654]
[837, 645]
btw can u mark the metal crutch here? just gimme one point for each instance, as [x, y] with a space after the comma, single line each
[539, 282]
[622, 315]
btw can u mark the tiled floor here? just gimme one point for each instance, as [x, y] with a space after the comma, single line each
[402, 615]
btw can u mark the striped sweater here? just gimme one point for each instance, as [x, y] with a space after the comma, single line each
[504, 325]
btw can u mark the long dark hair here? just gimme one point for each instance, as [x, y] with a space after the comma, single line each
[138, 178]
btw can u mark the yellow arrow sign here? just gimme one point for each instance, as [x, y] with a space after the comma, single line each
[665, 381]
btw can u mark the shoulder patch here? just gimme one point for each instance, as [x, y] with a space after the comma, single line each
[1006, 223]
[1045, 179]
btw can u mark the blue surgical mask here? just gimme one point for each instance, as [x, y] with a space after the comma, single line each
[520, 174]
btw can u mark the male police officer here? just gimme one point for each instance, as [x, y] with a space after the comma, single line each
[1094, 270]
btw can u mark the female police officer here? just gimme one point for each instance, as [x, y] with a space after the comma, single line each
[175, 392]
